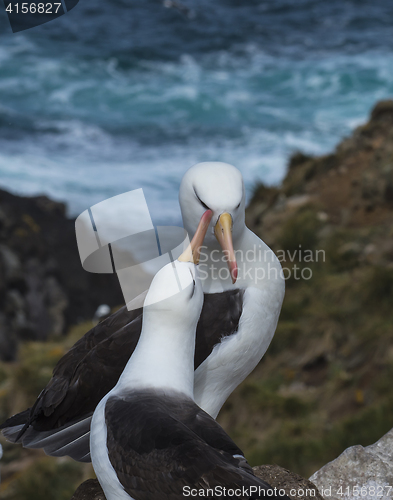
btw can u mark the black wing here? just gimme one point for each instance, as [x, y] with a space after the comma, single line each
[59, 421]
[160, 444]
[219, 318]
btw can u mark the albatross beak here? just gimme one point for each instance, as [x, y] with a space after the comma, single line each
[193, 251]
[223, 232]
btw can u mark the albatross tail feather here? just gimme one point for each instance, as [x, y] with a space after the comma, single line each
[71, 439]
[13, 425]
[18, 419]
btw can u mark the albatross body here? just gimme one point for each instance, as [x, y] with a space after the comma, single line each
[149, 440]
[233, 261]
[243, 291]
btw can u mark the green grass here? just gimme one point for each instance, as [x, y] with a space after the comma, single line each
[46, 479]
[301, 447]
[334, 343]
[300, 230]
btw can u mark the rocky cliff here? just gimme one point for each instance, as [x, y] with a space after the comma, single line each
[324, 384]
[43, 288]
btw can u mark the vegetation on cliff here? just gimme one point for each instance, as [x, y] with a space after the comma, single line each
[30, 474]
[324, 383]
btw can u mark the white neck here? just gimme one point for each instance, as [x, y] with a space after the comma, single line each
[256, 262]
[163, 358]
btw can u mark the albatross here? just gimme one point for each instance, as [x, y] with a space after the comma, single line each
[243, 291]
[149, 439]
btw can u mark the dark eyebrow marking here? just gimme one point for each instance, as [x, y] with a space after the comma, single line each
[200, 201]
[193, 286]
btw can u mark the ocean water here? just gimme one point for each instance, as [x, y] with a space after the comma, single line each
[123, 94]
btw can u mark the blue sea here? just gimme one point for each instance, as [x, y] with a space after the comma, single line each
[122, 94]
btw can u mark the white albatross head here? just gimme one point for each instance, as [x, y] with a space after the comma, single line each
[175, 297]
[217, 187]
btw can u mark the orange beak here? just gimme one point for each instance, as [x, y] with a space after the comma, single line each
[193, 251]
[223, 232]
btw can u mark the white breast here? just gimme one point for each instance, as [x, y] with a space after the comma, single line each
[237, 355]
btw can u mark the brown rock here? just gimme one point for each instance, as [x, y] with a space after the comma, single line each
[89, 490]
[295, 486]
[383, 111]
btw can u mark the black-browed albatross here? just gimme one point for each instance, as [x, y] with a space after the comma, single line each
[238, 320]
[149, 440]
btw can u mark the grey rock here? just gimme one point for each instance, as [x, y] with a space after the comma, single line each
[46, 301]
[8, 341]
[13, 301]
[15, 308]
[11, 263]
[56, 303]
[361, 473]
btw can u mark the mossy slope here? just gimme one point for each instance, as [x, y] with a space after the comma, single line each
[325, 382]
